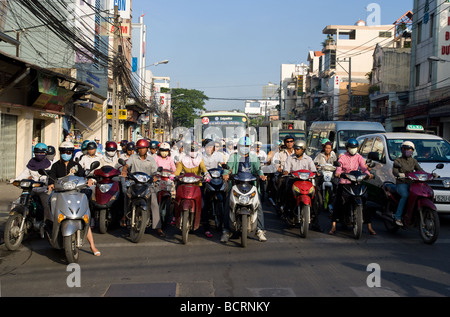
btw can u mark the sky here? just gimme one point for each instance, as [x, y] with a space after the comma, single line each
[231, 49]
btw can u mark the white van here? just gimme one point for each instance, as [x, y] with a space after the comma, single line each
[430, 151]
[338, 132]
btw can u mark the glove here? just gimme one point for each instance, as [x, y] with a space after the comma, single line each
[401, 175]
[435, 175]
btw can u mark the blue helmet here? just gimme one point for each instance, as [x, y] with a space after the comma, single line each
[40, 148]
[245, 141]
[351, 143]
[84, 145]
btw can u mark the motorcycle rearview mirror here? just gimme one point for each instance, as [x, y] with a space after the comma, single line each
[42, 172]
[373, 156]
[122, 162]
[337, 163]
[225, 166]
[160, 169]
[94, 165]
[440, 166]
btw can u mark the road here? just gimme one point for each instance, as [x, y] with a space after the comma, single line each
[286, 265]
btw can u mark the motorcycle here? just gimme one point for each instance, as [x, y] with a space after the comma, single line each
[215, 195]
[244, 204]
[188, 204]
[420, 209]
[23, 217]
[108, 197]
[71, 216]
[138, 212]
[327, 187]
[301, 195]
[354, 196]
[165, 186]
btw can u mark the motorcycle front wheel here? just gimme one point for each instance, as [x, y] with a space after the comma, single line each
[429, 225]
[103, 222]
[357, 221]
[70, 248]
[141, 218]
[12, 235]
[305, 214]
[185, 226]
[244, 230]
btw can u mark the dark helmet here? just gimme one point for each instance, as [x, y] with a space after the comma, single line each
[154, 145]
[288, 137]
[142, 143]
[92, 145]
[40, 148]
[131, 146]
[51, 150]
[207, 142]
[351, 143]
[111, 146]
[123, 143]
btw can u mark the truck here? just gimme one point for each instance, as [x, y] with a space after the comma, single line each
[272, 131]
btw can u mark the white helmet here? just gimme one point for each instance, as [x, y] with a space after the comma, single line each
[164, 146]
[67, 145]
[408, 144]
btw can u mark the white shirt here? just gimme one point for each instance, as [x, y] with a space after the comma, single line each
[87, 160]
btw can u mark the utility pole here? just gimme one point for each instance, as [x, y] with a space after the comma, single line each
[116, 88]
[152, 103]
[350, 103]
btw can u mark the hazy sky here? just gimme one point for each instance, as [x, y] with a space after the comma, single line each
[230, 49]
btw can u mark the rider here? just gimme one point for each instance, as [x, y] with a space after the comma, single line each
[91, 156]
[192, 162]
[143, 162]
[243, 161]
[300, 161]
[51, 153]
[350, 161]
[110, 157]
[164, 159]
[130, 149]
[211, 157]
[408, 164]
[83, 151]
[327, 156]
[282, 157]
[263, 160]
[123, 145]
[154, 148]
[67, 166]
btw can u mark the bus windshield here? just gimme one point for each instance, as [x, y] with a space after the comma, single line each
[344, 135]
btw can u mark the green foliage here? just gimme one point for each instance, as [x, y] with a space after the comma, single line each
[187, 105]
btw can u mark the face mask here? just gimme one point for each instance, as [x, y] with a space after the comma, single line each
[66, 157]
[353, 151]
[163, 154]
[39, 157]
[110, 153]
[244, 150]
[193, 154]
[408, 153]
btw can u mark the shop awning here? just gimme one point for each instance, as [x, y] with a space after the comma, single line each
[81, 122]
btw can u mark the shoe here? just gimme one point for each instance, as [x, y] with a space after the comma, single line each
[160, 232]
[398, 222]
[261, 236]
[208, 234]
[225, 237]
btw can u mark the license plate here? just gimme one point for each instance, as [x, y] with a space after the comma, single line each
[442, 199]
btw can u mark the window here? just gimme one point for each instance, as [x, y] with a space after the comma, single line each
[431, 25]
[385, 34]
[419, 32]
[417, 75]
[366, 147]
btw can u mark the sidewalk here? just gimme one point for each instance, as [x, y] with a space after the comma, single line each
[8, 193]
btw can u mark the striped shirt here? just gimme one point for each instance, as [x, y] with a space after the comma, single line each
[351, 163]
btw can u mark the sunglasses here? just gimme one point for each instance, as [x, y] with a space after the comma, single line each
[66, 152]
[289, 142]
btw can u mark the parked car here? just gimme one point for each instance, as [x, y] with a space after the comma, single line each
[384, 148]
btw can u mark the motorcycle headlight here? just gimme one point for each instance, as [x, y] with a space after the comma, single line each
[104, 188]
[142, 178]
[304, 176]
[69, 185]
[190, 180]
[361, 178]
[422, 177]
[25, 184]
[215, 174]
[351, 177]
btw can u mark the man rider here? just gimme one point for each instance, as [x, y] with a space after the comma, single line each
[242, 161]
[408, 164]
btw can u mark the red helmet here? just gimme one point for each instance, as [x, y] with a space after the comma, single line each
[111, 146]
[142, 143]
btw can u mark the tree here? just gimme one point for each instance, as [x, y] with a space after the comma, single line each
[187, 105]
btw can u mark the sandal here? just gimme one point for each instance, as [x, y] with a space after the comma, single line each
[208, 234]
[332, 232]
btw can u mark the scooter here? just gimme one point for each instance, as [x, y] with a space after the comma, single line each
[420, 209]
[26, 214]
[188, 204]
[244, 204]
[138, 212]
[327, 187]
[355, 196]
[108, 197]
[215, 195]
[301, 196]
[165, 185]
[71, 216]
